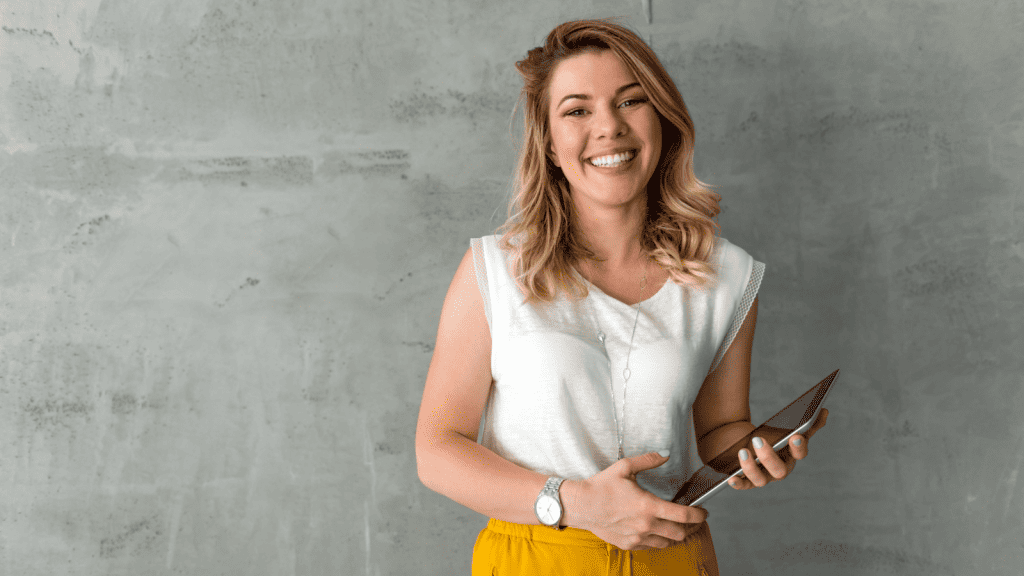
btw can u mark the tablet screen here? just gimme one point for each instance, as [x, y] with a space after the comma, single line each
[776, 429]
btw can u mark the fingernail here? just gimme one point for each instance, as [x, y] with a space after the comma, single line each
[663, 453]
[797, 442]
[758, 442]
[743, 454]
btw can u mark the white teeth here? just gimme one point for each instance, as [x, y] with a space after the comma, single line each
[612, 160]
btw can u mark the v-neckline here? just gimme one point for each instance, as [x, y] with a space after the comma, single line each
[593, 286]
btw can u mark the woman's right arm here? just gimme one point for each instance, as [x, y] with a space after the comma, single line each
[448, 458]
[451, 462]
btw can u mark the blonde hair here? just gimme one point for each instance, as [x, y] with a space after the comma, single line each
[679, 231]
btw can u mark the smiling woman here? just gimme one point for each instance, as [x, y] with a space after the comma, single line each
[597, 353]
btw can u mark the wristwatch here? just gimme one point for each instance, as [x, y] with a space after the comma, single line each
[548, 505]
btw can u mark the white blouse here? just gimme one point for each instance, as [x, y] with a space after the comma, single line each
[557, 369]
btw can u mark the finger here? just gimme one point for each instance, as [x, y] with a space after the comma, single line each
[672, 531]
[634, 464]
[655, 541]
[740, 483]
[676, 531]
[771, 461]
[798, 446]
[751, 470]
[677, 513]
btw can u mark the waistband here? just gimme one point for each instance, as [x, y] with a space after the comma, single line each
[570, 536]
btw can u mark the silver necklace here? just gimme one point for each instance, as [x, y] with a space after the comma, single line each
[626, 373]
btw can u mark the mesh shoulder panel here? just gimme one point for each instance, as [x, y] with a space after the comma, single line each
[481, 275]
[753, 284]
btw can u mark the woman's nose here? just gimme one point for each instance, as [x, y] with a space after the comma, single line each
[610, 123]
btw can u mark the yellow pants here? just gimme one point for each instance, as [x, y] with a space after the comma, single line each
[507, 549]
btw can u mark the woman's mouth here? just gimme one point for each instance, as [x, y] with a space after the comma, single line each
[613, 160]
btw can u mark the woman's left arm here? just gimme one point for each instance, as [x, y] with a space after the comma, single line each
[721, 416]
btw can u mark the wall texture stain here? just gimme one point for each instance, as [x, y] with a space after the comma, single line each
[228, 227]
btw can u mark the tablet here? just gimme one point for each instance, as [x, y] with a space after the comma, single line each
[793, 419]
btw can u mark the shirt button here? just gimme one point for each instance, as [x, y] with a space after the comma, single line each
[600, 337]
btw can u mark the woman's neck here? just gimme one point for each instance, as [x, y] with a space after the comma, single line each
[613, 235]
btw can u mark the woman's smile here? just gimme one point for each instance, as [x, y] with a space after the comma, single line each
[613, 160]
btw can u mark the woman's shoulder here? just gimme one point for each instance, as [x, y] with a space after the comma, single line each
[726, 251]
[498, 239]
[490, 253]
[496, 245]
[734, 265]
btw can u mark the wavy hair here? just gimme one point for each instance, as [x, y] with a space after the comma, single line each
[540, 232]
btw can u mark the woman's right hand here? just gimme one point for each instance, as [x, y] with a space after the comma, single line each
[617, 510]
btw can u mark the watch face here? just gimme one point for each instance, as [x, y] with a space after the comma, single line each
[548, 510]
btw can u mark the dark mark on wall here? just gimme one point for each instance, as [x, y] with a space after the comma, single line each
[316, 396]
[746, 124]
[32, 32]
[386, 448]
[141, 534]
[125, 403]
[94, 223]
[366, 163]
[50, 412]
[230, 26]
[258, 170]
[249, 282]
[934, 276]
[454, 103]
[474, 104]
[417, 106]
[906, 431]
[382, 297]
[76, 168]
[425, 347]
[898, 122]
[712, 55]
[81, 236]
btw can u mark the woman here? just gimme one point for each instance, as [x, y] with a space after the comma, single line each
[605, 339]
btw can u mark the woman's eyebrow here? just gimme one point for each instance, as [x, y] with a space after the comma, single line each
[587, 96]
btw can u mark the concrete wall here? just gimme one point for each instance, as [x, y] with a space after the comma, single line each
[228, 227]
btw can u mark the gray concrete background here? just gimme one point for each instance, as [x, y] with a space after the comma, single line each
[228, 227]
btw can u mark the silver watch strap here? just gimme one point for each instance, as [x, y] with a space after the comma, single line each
[551, 489]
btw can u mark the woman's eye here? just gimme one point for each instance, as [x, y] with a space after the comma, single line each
[576, 112]
[633, 102]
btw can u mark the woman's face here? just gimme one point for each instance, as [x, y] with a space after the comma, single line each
[605, 133]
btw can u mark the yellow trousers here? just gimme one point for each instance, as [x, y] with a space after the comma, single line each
[507, 549]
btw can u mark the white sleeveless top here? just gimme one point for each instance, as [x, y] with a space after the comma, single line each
[555, 383]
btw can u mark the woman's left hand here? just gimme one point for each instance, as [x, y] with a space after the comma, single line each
[772, 467]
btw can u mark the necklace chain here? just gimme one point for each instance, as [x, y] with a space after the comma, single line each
[626, 372]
